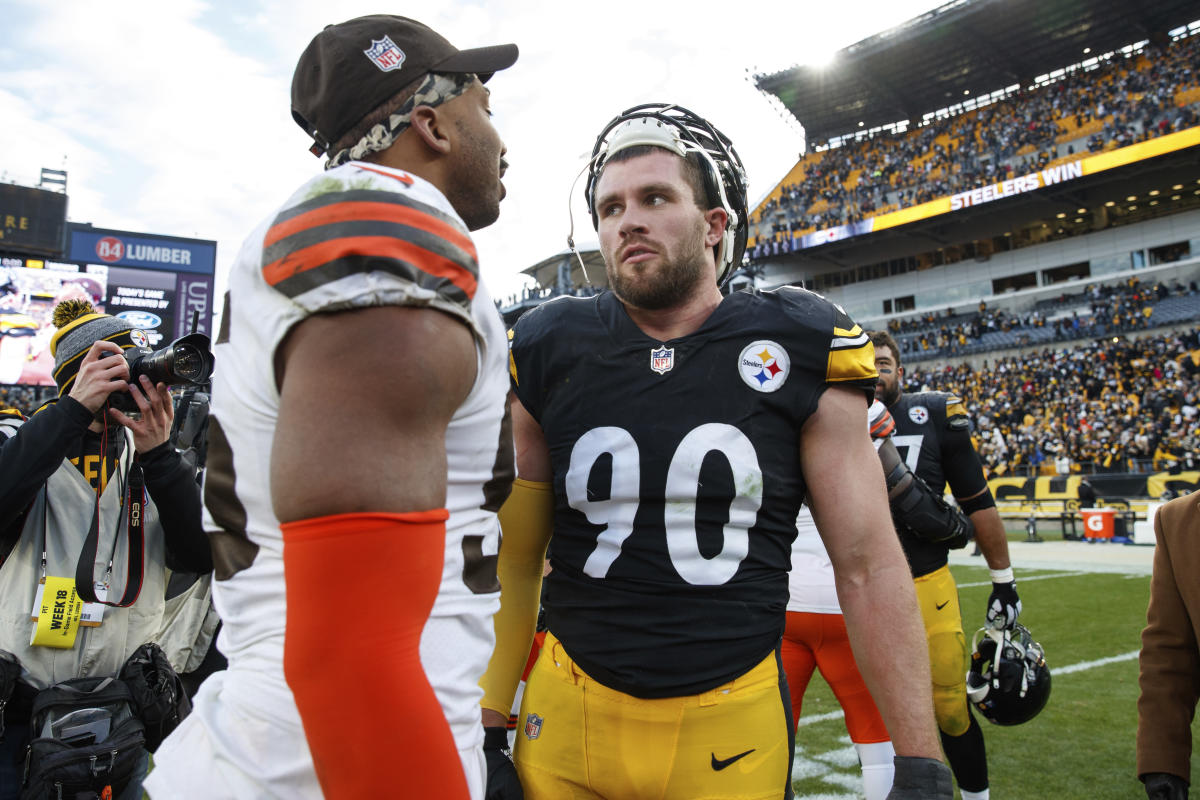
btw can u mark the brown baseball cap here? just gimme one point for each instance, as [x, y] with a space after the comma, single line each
[349, 69]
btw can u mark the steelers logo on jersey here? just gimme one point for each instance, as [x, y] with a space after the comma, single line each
[764, 365]
[919, 414]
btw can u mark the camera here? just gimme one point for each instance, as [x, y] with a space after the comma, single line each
[187, 360]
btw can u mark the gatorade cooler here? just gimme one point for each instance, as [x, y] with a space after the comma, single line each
[1098, 522]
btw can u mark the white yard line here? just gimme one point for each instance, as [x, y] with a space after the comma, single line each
[1026, 579]
[1054, 672]
[1100, 662]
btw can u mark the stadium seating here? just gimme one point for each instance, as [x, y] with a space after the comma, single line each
[1123, 405]
[1126, 98]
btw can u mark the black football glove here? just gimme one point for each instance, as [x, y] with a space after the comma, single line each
[1003, 606]
[921, 779]
[1165, 786]
[502, 780]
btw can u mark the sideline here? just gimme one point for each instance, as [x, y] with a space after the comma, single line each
[1026, 579]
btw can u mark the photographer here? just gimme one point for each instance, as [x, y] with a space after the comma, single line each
[73, 469]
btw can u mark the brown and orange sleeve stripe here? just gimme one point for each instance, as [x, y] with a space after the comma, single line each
[883, 426]
[338, 234]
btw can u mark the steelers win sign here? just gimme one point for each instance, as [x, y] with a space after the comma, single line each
[32, 221]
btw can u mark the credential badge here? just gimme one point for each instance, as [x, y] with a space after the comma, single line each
[764, 365]
[139, 338]
[662, 359]
[533, 726]
[919, 414]
[385, 55]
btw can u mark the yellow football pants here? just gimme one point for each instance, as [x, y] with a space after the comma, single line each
[578, 739]
[937, 594]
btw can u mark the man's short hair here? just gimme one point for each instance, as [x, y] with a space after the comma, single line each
[692, 169]
[884, 339]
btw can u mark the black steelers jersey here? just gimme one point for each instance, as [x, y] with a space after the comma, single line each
[677, 477]
[933, 437]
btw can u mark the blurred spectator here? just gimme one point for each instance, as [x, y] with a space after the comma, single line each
[25, 399]
[1169, 661]
[1087, 495]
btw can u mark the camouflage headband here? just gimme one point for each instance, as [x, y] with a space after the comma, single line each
[434, 90]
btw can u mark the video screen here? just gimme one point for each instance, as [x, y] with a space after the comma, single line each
[147, 299]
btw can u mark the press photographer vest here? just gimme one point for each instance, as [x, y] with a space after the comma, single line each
[98, 650]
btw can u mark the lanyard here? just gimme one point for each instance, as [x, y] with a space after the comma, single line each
[135, 513]
[85, 571]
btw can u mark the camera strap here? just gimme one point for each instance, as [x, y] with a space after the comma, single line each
[136, 511]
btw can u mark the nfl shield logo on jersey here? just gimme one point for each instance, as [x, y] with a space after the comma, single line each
[662, 360]
[533, 726]
[385, 54]
[919, 414]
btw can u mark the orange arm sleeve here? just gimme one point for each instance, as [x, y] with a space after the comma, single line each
[359, 590]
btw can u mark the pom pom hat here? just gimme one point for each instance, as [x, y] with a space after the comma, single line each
[79, 325]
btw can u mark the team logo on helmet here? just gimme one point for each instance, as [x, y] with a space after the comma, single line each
[662, 359]
[533, 726]
[919, 414]
[764, 365]
[385, 55]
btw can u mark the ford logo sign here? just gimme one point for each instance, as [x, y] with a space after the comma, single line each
[141, 319]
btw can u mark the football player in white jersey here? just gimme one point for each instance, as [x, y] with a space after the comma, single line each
[359, 444]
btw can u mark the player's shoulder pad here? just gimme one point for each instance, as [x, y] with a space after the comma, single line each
[851, 354]
[949, 406]
[545, 322]
[356, 220]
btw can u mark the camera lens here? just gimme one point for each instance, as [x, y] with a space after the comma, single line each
[188, 363]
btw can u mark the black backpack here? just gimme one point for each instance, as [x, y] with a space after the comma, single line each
[157, 691]
[87, 741]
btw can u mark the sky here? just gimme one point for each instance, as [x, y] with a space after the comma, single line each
[173, 116]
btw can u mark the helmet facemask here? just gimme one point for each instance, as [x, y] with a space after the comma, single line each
[679, 131]
[1009, 681]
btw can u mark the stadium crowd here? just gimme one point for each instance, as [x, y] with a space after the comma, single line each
[1112, 405]
[1099, 310]
[1122, 100]
[25, 399]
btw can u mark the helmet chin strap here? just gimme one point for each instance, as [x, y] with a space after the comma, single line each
[571, 216]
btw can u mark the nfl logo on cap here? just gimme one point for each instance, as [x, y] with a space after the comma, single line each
[533, 726]
[662, 360]
[385, 54]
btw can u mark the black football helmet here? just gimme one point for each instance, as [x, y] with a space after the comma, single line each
[1009, 681]
[674, 128]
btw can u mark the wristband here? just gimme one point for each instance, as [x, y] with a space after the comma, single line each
[1002, 575]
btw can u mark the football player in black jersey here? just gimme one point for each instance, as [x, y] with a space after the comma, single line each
[666, 437]
[932, 434]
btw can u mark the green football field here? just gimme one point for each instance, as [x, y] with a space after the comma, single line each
[1080, 746]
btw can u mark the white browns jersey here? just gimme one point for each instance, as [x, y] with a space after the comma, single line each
[357, 236]
[810, 582]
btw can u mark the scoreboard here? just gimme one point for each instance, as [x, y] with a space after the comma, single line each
[161, 284]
